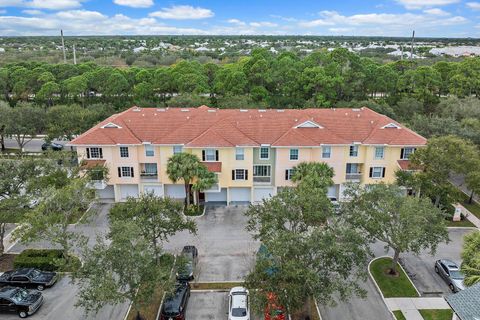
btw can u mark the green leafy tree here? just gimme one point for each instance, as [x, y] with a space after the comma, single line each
[66, 121]
[302, 255]
[158, 218]
[47, 92]
[5, 114]
[25, 123]
[120, 267]
[404, 224]
[471, 258]
[58, 209]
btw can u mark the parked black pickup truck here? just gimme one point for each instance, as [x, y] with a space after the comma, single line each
[28, 278]
[20, 301]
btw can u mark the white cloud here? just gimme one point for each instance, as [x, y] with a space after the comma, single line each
[84, 15]
[288, 19]
[437, 12]
[340, 30]
[263, 24]
[32, 12]
[315, 23]
[473, 5]
[134, 3]
[183, 13]
[237, 22]
[419, 4]
[43, 4]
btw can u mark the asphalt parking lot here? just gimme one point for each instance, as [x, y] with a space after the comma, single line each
[226, 250]
[59, 304]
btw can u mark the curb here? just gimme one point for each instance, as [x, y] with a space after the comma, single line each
[195, 217]
[318, 310]
[378, 288]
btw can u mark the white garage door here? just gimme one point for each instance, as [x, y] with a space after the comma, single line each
[239, 195]
[216, 196]
[128, 190]
[107, 193]
[155, 189]
[176, 191]
[262, 193]
[332, 192]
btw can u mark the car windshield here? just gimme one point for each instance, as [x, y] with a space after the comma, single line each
[35, 273]
[457, 275]
[239, 312]
[19, 295]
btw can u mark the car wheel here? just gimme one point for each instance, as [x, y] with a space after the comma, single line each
[436, 269]
[22, 314]
[451, 287]
[40, 287]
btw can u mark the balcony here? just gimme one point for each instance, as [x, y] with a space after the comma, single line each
[353, 177]
[98, 184]
[262, 180]
[148, 171]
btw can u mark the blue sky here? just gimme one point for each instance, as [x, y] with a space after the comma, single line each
[430, 18]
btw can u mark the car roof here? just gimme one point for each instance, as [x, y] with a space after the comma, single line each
[451, 265]
[172, 302]
[239, 299]
[20, 272]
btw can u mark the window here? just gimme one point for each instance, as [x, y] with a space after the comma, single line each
[264, 153]
[123, 152]
[326, 152]
[125, 172]
[406, 153]
[150, 169]
[177, 149]
[261, 171]
[94, 153]
[379, 152]
[239, 154]
[209, 155]
[353, 168]
[377, 172]
[240, 174]
[289, 173]
[353, 151]
[149, 150]
[293, 154]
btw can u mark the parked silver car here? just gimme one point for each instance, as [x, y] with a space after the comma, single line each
[450, 272]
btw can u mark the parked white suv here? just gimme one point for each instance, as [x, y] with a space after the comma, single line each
[238, 308]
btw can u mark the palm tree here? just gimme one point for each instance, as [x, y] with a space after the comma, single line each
[187, 167]
[471, 258]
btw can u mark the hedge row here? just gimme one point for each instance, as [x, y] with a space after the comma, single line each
[43, 259]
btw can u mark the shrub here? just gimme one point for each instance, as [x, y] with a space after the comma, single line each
[194, 210]
[44, 259]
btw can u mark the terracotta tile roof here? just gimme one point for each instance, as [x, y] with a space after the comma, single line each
[89, 164]
[213, 166]
[404, 164]
[210, 127]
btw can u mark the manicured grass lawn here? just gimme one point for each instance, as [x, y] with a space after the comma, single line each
[474, 207]
[462, 223]
[150, 311]
[436, 314]
[399, 315]
[391, 286]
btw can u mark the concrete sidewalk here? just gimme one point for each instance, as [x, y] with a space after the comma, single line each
[410, 306]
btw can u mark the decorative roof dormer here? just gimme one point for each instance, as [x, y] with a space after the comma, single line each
[309, 124]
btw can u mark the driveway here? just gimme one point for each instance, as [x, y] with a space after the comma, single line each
[226, 250]
[421, 268]
[60, 304]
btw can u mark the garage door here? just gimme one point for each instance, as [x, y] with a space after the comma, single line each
[332, 192]
[262, 193]
[239, 195]
[128, 190]
[176, 191]
[216, 196]
[155, 189]
[107, 193]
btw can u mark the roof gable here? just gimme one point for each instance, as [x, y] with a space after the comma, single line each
[309, 124]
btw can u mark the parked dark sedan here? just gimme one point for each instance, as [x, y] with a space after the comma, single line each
[52, 146]
[20, 301]
[187, 263]
[174, 306]
[28, 277]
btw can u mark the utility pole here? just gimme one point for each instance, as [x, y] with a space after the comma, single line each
[413, 41]
[74, 55]
[63, 48]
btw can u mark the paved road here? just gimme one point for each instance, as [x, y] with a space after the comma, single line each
[59, 304]
[34, 145]
[226, 249]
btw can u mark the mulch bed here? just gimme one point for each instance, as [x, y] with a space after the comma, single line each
[6, 262]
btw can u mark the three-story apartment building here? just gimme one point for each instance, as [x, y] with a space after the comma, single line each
[253, 152]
